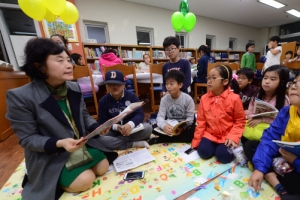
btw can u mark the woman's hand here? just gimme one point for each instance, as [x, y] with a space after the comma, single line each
[288, 156]
[168, 129]
[256, 179]
[253, 122]
[229, 143]
[70, 144]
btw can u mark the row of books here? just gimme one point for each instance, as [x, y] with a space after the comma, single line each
[185, 54]
[224, 56]
[136, 54]
[94, 66]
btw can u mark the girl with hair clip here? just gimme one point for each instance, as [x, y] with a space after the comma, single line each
[221, 117]
[272, 91]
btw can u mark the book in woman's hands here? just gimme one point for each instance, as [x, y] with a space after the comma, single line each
[130, 108]
[264, 109]
[293, 147]
[175, 124]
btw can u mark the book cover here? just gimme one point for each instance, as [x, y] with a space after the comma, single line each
[293, 147]
[175, 124]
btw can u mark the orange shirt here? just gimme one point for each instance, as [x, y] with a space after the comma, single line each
[219, 118]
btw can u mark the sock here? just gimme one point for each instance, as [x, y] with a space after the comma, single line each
[280, 190]
[140, 144]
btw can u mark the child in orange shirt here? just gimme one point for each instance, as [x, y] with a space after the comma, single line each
[221, 117]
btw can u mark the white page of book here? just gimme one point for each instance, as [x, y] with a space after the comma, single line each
[172, 122]
[133, 160]
[187, 158]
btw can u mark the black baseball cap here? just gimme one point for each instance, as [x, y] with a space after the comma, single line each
[114, 76]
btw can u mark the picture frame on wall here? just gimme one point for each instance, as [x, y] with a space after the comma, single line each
[59, 27]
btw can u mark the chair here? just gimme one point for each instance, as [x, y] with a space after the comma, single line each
[209, 67]
[83, 71]
[157, 69]
[234, 66]
[259, 66]
[126, 70]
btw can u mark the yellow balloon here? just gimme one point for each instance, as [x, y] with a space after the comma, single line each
[49, 16]
[33, 8]
[55, 6]
[70, 14]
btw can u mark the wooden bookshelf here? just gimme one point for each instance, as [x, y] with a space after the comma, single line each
[230, 56]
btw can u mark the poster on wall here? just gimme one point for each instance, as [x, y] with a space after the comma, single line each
[59, 27]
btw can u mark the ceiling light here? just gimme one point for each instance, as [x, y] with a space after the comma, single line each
[272, 3]
[294, 12]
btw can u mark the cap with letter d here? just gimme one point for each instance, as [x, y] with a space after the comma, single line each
[114, 76]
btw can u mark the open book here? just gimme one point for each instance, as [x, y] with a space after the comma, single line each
[174, 123]
[293, 147]
[130, 108]
[264, 109]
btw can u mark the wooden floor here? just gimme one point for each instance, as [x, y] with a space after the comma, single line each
[11, 153]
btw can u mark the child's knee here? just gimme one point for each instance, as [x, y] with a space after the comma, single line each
[223, 155]
[205, 153]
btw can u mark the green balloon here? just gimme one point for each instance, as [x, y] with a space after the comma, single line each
[184, 7]
[189, 22]
[177, 21]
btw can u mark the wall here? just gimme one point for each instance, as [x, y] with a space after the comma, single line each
[75, 47]
[123, 17]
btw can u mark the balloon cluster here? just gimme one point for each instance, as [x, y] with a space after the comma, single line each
[50, 10]
[183, 18]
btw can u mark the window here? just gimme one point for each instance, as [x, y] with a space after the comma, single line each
[144, 36]
[211, 41]
[97, 31]
[232, 43]
[183, 39]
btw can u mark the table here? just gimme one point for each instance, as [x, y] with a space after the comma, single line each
[145, 77]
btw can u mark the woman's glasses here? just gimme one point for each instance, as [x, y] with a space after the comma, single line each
[290, 84]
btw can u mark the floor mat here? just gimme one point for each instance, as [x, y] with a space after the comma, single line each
[168, 177]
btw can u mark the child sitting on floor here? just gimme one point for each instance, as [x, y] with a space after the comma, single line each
[285, 128]
[176, 105]
[242, 86]
[221, 117]
[272, 91]
[111, 105]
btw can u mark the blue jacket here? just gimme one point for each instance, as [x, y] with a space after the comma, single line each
[268, 150]
[110, 108]
[202, 69]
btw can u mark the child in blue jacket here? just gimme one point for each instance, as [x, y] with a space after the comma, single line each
[285, 128]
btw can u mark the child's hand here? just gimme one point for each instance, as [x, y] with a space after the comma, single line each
[255, 180]
[288, 156]
[253, 122]
[179, 130]
[168, 129]
[126, 130]
[229, 142]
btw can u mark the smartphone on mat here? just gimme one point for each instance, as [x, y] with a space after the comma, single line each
[134, 175]
[189, 151]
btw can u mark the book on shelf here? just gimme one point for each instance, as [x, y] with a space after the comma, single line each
[218, 56]
[175, 124]
[129, 109]
[159, 54]
[293, 147]
[234, 57]
[97, 65]
[224, 56]
[185, 54]
[263, 109]
[134, 54]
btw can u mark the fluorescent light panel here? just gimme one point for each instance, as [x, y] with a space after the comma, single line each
[294, 12]
[272, 3]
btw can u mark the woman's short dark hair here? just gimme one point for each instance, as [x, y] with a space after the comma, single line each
[36, 52]
[109, 50]
[75, 57]
[171, 40]
[249, 44]
[65, 40]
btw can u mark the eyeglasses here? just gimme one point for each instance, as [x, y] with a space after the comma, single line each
[290, 84]
[170, 50]
[241, 78]
[213, 78]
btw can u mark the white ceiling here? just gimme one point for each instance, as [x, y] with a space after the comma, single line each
[245, 12]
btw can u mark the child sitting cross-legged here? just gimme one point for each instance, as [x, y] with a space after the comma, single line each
[176, 105]
[221, 117]
[285, 128]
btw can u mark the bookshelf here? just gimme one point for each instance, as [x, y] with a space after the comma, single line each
[230, 56]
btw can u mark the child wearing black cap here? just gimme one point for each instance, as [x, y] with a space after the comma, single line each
[117, 99]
